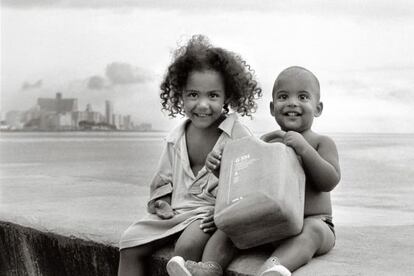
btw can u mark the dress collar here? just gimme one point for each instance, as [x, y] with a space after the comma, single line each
[226, 126]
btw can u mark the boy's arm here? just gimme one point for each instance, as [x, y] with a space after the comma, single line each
[274, 136]
[321, 165]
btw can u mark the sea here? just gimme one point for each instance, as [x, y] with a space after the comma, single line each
[35, 167]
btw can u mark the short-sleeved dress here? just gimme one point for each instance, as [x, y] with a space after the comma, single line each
[192, 196]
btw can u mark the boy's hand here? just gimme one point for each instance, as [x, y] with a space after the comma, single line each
[207, 224]
[274, 136]
[163, 209]
[213, 161]
[296, 141]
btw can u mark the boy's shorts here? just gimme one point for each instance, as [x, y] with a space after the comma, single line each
[327, 219]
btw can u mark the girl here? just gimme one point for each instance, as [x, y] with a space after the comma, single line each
[201, 83]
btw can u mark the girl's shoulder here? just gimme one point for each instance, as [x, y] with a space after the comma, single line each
[234, 128]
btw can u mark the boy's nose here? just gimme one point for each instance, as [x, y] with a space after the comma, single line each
[292, 102]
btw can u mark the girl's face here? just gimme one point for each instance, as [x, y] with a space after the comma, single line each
[204, 97]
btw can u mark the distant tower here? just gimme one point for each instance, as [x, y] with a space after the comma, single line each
[109, 112]
[88, 108]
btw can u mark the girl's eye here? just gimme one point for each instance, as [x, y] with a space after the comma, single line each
[214, 95]
[191, 95]
[304, 97]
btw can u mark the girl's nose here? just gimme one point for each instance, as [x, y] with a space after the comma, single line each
[203, 103]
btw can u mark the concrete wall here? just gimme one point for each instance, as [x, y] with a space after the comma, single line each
[359, 251]
[26, 251]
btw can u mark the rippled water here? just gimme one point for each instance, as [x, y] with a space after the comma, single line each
[377, 169]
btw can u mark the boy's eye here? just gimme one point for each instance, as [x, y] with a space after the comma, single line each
[304, 97]
[282, 96]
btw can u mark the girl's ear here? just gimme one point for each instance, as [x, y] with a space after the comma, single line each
[319, 108]
[226, 108]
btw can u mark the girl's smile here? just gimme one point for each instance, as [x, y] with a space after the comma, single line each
[204, 97]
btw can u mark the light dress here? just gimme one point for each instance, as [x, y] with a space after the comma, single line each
[192, 196]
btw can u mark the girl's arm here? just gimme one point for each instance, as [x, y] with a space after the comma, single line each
[161, 184]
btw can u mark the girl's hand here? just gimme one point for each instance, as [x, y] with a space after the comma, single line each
[163, 209]
[296, 141]
[213, 161]
[207, 224]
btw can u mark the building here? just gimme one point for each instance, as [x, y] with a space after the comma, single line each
[58, 105]
[117, 121]
[127, 122]
[109, 110]
[88, 115]
[14, 119]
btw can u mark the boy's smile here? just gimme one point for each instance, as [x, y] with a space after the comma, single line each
[295, 100]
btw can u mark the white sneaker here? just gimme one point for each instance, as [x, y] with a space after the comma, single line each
[176, 267]
[276, 270]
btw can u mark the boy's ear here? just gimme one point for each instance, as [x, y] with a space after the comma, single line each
[319, 108]
[272, 108]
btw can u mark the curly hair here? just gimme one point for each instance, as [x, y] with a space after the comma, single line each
[241, 89]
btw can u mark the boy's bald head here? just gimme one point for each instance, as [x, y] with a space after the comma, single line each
[294, 73]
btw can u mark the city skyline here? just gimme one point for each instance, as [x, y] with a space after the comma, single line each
[64, 114]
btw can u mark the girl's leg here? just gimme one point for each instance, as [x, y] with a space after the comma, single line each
[132, 260]
[316, 238]
[190, 244]
[219, 249]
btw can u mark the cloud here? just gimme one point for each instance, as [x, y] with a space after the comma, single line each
[26, 85]
[381, 9]
[387, 84]
[96, 83]
[124, 73]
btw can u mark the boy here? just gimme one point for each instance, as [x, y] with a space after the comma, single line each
[296, 101]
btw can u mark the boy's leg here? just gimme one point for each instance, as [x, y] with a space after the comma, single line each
[316, 238]
[132, 260]
[219, 249]
[190, 244]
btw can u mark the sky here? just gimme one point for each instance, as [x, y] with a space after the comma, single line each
[361, 51]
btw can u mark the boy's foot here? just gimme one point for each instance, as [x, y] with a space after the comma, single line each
[176, 267]
[204, 268]
[163, 209]
[276, 270]
[272, 267]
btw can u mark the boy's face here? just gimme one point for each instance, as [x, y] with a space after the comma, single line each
[295, 100]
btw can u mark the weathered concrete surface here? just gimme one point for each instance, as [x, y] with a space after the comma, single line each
[25, 251]
[359, 251]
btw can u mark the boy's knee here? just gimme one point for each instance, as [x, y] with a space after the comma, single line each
[133, 253]
[313, 229]
[314, 232]
[186, 247]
